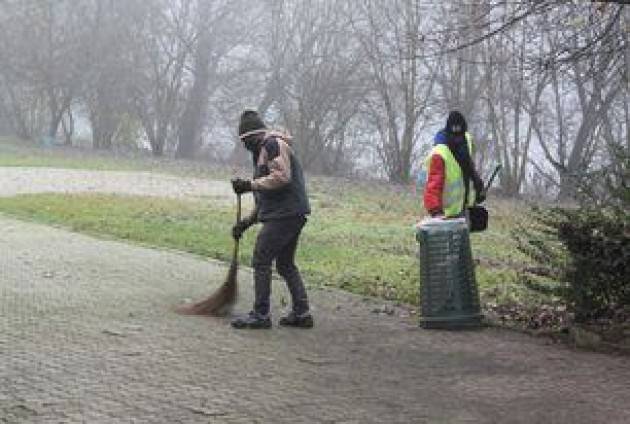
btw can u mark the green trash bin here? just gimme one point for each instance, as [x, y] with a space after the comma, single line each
[448, 289]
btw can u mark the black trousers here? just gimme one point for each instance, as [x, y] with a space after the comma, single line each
[278, 240]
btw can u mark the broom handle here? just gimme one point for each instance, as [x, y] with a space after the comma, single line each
[238, 219]
[238, 208]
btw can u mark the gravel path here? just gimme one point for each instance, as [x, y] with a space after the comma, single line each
[39, 180]
[87, 336]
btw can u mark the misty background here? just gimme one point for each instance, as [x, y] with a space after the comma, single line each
[362, 86]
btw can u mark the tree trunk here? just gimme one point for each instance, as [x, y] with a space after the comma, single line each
[159, 141]
[68, 129]
[102, 129]
[191, 123]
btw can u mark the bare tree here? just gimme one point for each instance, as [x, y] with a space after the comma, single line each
[300, 67]
[513, 99]
[111, 46]
[462, 80]
[582, 91]
[166, 34]
[402, 83]
[355, 83]
[216, 35]
[321, 89]
[41, 52]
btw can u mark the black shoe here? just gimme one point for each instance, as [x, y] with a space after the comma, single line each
[252, 321]
[292, 319]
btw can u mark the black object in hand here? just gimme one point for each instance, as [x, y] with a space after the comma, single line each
[480, 197]
[240, 227]
[241, 186]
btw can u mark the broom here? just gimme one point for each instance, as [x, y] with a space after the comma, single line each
[219, 303]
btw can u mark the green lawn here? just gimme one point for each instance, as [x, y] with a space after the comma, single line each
[360, 244]
[23, 153]
[359, 238]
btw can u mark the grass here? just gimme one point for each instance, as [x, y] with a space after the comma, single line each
[21, 153]
[360, 237]
[24, 153]
[361, 245]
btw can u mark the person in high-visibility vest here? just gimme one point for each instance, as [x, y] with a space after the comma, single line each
[453, 183]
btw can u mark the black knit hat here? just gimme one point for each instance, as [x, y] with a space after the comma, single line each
[456, 123]
[250, 123]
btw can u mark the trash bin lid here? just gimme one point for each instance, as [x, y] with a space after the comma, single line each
[434, 225]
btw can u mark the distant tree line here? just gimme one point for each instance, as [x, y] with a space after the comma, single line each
[359, 84]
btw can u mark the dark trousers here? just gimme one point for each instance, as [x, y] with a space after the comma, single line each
[278, 241]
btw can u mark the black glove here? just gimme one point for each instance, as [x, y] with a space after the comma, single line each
[241, 186]
[480, 197]
[240, 227]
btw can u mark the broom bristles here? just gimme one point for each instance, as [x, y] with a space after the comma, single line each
[219, 303]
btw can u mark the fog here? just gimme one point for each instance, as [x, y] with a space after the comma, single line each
[362, 86]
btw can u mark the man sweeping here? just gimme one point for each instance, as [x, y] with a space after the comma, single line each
[282, 207]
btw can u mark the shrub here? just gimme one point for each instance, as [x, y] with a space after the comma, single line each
[585, 250]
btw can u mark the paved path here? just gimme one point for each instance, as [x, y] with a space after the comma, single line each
[86, 336]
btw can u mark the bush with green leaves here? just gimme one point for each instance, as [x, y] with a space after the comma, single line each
[583, 254]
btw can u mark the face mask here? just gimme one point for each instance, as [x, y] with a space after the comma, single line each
[251, 143]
